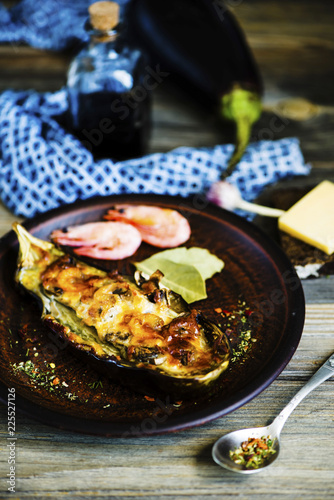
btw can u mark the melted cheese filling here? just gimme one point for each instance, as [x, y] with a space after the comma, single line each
[124, 317]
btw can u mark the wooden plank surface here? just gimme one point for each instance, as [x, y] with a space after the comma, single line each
[293, 42]
[54, 463]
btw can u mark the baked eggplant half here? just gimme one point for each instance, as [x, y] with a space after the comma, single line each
[131, 329]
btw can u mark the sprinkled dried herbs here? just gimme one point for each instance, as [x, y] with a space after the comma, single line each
[71, 396]
[254, 452]
[237, 327]
[46, 379]
[41, 378]
[95, 384]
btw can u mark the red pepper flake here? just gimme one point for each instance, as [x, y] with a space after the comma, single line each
[218, 310]
[55, 381]
[148, 398]
[24, 332]
[177, 403]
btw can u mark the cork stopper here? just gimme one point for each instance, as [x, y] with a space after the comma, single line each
[104, 16]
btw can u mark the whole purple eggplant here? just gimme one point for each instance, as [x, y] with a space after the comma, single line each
[201, 42]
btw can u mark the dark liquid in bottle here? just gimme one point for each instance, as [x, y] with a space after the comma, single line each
[113, 125]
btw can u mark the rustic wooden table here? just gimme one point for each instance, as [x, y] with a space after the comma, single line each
[294, 45]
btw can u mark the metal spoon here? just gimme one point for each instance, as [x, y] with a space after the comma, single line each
[222, 447]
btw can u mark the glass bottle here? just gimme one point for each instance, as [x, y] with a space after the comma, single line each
[109, 103]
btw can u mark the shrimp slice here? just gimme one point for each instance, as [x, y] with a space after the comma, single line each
[100, 240]
[160, 227]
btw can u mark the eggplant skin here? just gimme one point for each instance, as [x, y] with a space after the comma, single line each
[138, 379]
[125, 328]
[198, 42]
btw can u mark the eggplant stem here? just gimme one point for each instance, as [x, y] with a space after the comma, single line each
[243, 107]
[243, 132]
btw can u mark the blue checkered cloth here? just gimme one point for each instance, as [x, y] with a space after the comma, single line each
[42, 166]
[46, 24]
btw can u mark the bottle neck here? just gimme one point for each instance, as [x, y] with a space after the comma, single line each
[99, 36]
[103, 36]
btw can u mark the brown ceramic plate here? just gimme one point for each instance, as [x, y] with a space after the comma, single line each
[63, 392]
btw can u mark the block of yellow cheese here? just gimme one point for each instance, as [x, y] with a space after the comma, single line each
[311, 219]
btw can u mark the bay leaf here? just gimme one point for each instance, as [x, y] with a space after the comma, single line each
[204, 261]
[181, 278]
[185, 270]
